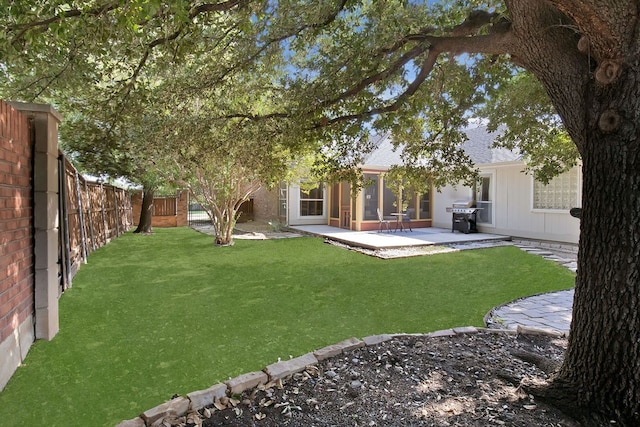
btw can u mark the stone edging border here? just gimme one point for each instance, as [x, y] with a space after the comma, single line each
[196, 400]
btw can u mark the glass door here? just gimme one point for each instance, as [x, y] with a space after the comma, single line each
[484, 200]
[345, 205]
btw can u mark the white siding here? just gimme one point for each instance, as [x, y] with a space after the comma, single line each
[513, 209]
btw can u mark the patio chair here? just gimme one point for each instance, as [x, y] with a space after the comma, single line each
[382, 221]
[406, 218]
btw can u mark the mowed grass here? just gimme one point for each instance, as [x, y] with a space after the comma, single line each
[151, 316]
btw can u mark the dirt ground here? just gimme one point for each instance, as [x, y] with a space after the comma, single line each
[465, 380]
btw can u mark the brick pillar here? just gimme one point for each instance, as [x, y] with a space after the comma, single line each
[183, 208]
[44, 121]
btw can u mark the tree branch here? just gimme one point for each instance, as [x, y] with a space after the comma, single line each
[217, 7]
[43, 24]
[425, 70]
[498, 43]
[103, 9]
[494, 44]
[606, 29]
[476, 20]
[396, 66]
[282, 37]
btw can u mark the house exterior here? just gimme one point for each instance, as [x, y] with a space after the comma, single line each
[513, 203]
[335, 205]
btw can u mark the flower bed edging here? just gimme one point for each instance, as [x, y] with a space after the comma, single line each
[197, 400]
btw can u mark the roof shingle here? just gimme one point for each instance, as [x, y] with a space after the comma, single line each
[478, 147]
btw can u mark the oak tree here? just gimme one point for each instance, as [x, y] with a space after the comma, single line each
[417, 69]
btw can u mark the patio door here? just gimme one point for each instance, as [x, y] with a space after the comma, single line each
[345, 205]
[484, 199]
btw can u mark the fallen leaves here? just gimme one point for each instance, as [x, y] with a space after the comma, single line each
[407, 381]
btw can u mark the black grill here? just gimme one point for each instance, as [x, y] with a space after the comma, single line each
[464, 216]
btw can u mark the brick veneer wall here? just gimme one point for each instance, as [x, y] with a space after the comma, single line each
[16, 233]
[265, 204]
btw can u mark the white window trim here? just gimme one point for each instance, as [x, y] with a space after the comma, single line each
[323, 200]
[283, 195]
[492, 192]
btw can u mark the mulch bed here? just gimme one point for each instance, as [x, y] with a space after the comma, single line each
[464, 380]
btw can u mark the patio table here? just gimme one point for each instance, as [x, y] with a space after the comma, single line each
[399, 216]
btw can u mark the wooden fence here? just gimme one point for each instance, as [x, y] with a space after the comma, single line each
[91, 215]
[168, 210]
[165, 205]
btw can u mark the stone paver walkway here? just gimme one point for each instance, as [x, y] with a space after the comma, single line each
[550, 311]
[547, 311]
[244, 232]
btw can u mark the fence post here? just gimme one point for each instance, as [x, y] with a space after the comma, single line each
[83, 237]
[104, 216]
[89, 206]
[123, 215]
[117, 221]
[130, 209]
[44, 264]
[65, 254]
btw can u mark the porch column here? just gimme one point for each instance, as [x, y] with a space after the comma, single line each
[44, 123]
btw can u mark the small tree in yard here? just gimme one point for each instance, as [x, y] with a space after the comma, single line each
[223, 165]
[221, 185]
[223, 161]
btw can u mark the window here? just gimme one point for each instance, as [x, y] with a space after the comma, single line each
[409, 203]
[312, 201]
[425, 206]
[346, 204]
[389, 202]
[561, 193]
[335, 201]
[370, 204]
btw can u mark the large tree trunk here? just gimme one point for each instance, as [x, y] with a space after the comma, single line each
[146, 212]
[602, 363]
[598, 99]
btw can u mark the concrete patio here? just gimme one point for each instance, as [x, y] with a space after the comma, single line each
[396, 239]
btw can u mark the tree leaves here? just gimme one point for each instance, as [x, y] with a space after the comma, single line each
[533, 126]
[290, 77]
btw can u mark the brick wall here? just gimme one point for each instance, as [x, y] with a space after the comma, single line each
[17, 270]
[33, 258]
[16, 221]
[265, 204]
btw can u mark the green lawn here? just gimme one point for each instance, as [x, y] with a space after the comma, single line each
[150, 316]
